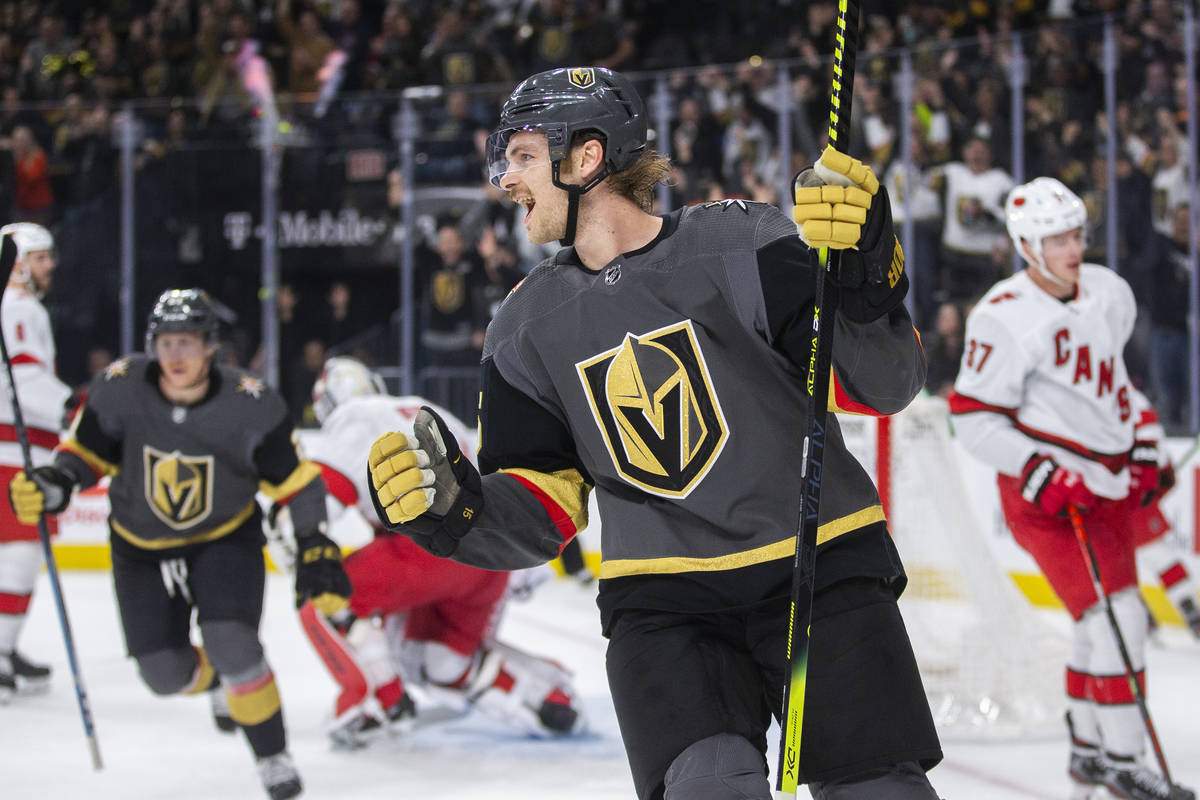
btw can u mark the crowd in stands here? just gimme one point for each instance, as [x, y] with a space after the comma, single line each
[204, 72]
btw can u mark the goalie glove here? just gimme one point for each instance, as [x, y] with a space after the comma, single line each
[47, 491]
[426, 489]
[1148, 482]
[1052, 487]
[320, 576]
[840, 205]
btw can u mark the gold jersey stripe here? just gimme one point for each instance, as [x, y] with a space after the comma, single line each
[785, 548]
[97, 464]
[566, 488]
[304, 473]
[177, 541]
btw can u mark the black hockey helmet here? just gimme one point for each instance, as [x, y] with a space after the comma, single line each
[566, 101]
[182, 311]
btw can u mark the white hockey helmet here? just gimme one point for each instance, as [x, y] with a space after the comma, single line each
[1043, 207]
[342, 378]
[29, 237]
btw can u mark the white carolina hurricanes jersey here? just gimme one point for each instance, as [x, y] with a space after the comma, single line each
[1039, 375]
[30, 344]
[345, 440]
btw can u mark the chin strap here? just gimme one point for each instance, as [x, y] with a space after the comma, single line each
[574, 192]
[1050, 276]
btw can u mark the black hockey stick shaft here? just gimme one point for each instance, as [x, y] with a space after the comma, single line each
[820, 363]
[8, 257]
[1089, 555]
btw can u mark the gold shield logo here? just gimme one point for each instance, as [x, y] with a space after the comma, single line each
[582, 77]
[178, 488]
[449, 291]
[653, 400]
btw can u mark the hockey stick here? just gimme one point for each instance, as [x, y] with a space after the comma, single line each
[8, 257]
[820, 362]
[1089, 555]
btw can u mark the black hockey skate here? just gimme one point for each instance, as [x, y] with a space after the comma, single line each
[279, 776]
[1087, 769]
[357, 731]
[1136, 782]
[19, 675]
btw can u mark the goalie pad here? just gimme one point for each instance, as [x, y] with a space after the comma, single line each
[533, 695]
[339, 658]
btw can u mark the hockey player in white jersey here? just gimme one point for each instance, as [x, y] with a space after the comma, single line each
[43, 396]
[1043, 396]
[438, 614]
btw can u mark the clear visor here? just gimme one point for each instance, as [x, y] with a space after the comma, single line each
[514, 151]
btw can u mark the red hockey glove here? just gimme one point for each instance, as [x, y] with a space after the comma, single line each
[1051, 487]
[1147, 481]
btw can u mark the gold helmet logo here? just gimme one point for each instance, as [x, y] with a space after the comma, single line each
[582, 77]
[654, 403]
[179, 488]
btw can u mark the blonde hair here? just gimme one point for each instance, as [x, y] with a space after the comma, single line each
[639, 181]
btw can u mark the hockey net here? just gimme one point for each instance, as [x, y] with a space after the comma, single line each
[992, 666]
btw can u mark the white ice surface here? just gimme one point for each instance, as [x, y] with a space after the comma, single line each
[168, 748]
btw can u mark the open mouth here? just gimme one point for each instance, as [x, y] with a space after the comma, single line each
[529, 204]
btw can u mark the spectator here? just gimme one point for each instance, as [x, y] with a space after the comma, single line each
[450, 145]
[922, 202]
[450, 277]
[695, 146]
[339, 321]
[546, 38]
[394, 61]
[226, 107]
[308, 46]
[44, 56]
[603, 39]
[1164, 270]
[88, 146]
[111, 78]
[974, 247]
[454, 58]
[501, 276]
[1170, 182]
[352, 34]
[33, 199]
[944, 349]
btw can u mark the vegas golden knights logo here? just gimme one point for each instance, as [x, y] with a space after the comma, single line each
[654, 403]
[449, 291]
[179, 488]
[582, 77]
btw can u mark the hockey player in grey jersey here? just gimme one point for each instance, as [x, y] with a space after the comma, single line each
[661, 361]
[188, 443]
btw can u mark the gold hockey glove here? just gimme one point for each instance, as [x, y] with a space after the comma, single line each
[47, 491]
[320, 576]
[871, 269]
[832, 199]
[426, 489]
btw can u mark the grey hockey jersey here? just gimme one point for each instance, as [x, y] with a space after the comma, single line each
[673, 382]
[187, 474]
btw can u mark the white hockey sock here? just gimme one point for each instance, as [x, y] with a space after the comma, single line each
[20, 563]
